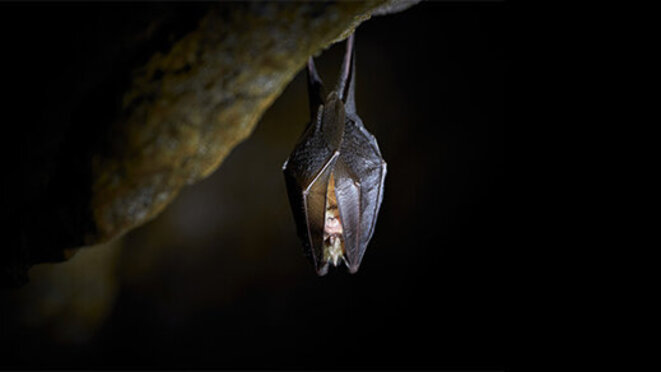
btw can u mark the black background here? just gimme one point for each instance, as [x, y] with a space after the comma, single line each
[432, 290]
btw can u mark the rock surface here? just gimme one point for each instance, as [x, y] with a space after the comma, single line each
[183, 89]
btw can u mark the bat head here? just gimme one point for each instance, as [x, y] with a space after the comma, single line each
[333, 248]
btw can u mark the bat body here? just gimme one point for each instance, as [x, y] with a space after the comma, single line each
[335, 175]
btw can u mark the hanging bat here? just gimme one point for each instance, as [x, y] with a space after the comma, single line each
[335, 174]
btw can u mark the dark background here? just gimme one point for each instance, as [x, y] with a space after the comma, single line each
[219, 279]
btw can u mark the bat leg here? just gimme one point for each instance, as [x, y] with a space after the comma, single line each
[346, 85]
[315, 89]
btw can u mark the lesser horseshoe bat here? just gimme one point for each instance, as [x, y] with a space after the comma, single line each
[335, 174]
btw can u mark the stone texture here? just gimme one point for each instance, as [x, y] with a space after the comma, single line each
[68, 301]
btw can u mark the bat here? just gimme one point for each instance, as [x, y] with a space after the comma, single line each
[335, 174]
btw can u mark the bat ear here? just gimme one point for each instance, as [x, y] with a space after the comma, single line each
[346, 85]
[315, 89]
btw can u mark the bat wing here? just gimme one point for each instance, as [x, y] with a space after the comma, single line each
[308, 201]
[360, 173]
[307, 173]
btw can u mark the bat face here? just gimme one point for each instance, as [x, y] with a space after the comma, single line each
[335, 176]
